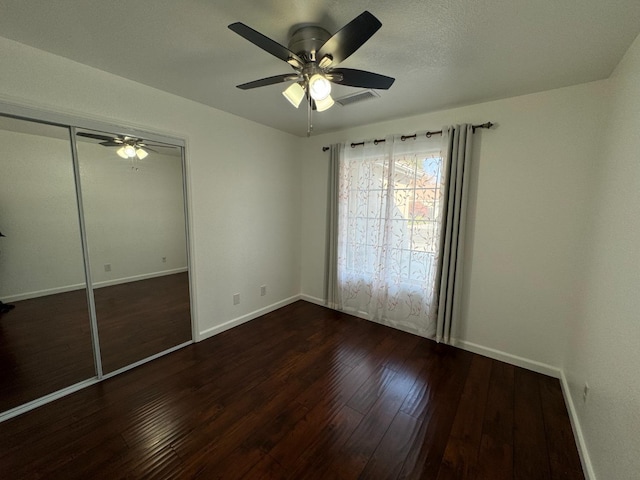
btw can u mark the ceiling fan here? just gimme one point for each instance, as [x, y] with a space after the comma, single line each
[314, 54]
[130, 147]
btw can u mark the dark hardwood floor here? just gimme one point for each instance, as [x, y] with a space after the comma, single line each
[303, 392]
[45, 342]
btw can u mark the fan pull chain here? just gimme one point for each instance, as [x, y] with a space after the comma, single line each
[309, 124]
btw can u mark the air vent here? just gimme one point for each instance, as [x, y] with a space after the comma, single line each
[357, 97]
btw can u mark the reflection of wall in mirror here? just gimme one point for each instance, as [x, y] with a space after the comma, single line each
[132, 223]
[134, 217]
[4, 307]
[38, 206]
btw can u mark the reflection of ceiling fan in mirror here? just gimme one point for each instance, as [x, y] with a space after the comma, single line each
[130, 147]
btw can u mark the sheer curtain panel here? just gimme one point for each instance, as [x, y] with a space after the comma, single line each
[389, 218]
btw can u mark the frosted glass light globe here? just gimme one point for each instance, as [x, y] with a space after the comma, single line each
[319, 87]
[130, 151]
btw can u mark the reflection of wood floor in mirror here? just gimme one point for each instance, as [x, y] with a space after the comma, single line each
[139, 319]
[45, 342]
[303, 392]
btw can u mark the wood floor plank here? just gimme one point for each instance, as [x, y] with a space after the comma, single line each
[530, 456]
[495, 460]
[317, 460]
[303, 435]
[564, 460]
[365, 439]
[302, 393]
[267, 469]
[461, 453]
[387, 459]
[436, 407]
[259, 441]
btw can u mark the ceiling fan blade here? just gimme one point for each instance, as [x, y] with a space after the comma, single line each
[360, 78]
[110, 143]
[95, 136]
[268, 45]
[349, 38]
[145, 145]
[268, 81]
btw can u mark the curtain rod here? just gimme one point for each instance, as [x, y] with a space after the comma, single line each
[428, 135]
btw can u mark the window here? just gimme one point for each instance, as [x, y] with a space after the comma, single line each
[390, 204]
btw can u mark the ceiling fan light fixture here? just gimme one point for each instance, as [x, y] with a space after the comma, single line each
[325, 61]
[121, 153]
[319, 87]
[294, 62]
[130, 151]
[294, 93]
[324, 104]
[141, 153]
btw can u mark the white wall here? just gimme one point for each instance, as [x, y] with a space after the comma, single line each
[243, 177]
[528, 214]
[603, 346]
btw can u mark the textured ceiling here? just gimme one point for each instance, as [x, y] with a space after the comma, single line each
[443, 53]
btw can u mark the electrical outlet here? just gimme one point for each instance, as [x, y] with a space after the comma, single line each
[107, 267]
[164, 259]
[263, 290]
[236, 298]
[585, 392]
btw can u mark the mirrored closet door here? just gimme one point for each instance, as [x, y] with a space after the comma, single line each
[93, 255]
[133, 200]
[45, 335]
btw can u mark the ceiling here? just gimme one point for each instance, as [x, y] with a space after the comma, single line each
[443, 53]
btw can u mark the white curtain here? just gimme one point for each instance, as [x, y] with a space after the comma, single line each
[456, 147]
[390, 203]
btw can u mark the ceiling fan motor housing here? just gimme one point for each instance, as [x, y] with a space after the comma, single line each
[306, 41]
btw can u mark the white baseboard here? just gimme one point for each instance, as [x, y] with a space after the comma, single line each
[136, 278]
[81, 286]
[532, 365]
[42, 293]
[210, 332]
[316, 300]
[585, 460]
